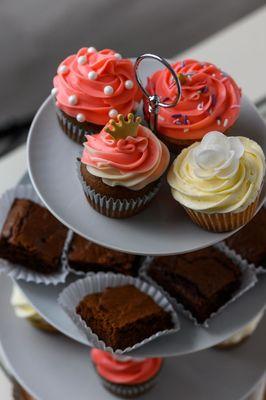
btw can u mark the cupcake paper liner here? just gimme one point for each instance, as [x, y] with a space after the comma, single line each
[127, 391]
[223, 222]
[248, 280]
[71, 296]
[16, 271]
[116, 208]
[74, 132]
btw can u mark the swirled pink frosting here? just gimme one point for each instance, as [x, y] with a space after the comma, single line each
[133, 162]
[210, 100]
[125, 372]
[85, 75]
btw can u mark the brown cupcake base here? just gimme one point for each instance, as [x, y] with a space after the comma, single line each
[223, 222]
[118, 201]
[75, 130]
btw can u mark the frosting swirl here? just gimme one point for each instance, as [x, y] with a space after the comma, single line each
[220, 174]
[96, 85]
[210, 100]
[133, 162]
[126, 372]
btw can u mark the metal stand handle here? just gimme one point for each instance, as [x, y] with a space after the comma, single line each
[154, 100]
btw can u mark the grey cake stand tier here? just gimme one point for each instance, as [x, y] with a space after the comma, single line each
[52, 367]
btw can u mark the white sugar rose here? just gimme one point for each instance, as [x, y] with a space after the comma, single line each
[216, 156]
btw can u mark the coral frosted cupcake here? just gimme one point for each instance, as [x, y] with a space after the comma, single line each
[126, 377]
[121, 167]
[90, 88]
[210, 101]
[218, 181]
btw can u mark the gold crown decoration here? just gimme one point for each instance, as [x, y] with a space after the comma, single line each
[123, 128]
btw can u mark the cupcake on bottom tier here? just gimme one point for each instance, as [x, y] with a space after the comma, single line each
[242, 335]
[92, 86]
[218, 181]
[210, 100]
[121, 167]
[23, 309]
[126, 377]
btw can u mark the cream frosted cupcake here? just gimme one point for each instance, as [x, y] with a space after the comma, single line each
[241, 335]
[24, 310]
[121, 167]
[91, 87]
[218, 181]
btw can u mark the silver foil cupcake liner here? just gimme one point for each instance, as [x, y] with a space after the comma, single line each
[115, 208]
[74, 132]
[248, 280]
[17, 271]
[71, 296]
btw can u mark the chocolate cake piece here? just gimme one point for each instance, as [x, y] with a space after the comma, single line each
[202, 281]
[250, 241]
[90, 257]
[123, 316]
[32, 237]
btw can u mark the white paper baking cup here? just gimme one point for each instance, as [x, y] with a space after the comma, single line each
[17, 271]
[71, 296]
[248, 280]
[109, 206]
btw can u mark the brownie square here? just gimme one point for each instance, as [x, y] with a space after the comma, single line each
[123, 316]
[250, 241]
[32, 237]
[90, 257]
[202, 281]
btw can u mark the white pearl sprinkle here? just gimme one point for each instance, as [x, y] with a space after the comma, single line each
[113, 113]
[91, 50]
[225, 122]
[108, 90]
[218, 121]
[80, 117]
[54, 91]
[62, 69]
[82, 60]
[129, 84]
[73, 99]
[118, 56]
[92, 75]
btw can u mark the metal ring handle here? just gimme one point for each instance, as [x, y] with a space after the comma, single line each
[170, 68]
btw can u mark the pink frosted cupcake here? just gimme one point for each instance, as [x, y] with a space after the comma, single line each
[121, 167]
[210, 101]
[90, 88]
[125, 377]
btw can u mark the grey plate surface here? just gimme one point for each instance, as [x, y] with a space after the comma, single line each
[53, 367]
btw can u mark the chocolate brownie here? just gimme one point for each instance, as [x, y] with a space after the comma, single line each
[202, 281]
[32, 237]
[123, 316]
[87, 256]
[250, 241]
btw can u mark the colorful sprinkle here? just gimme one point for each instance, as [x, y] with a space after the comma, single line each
[214, 99]
[186, 130]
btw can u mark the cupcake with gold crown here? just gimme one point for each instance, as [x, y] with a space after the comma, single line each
[218, 181]
[121, 167]
[24, 310]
